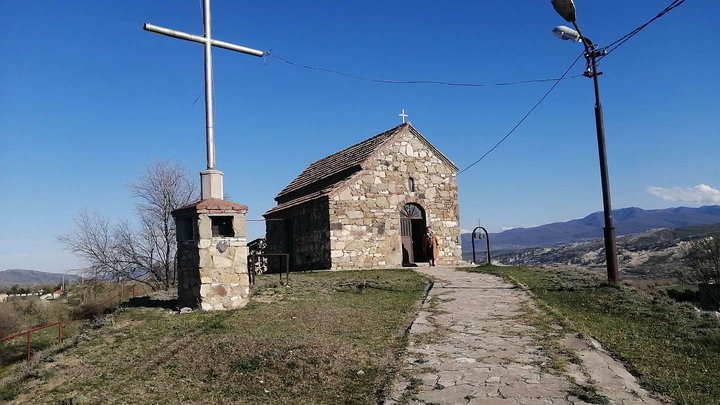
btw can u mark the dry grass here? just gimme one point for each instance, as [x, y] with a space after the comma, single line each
[329, 338]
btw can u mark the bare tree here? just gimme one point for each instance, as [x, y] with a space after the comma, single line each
[144, 253]
[702, 258]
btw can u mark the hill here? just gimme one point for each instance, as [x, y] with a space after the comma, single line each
[627, 221]
[654, 254]
[24, 277]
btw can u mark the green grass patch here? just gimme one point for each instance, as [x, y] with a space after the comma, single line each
[330, 337]
[668, 345]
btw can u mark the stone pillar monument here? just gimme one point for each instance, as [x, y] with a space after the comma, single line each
[212, 255]
[211, 245]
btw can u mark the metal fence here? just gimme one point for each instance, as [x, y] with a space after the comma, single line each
[26, 335]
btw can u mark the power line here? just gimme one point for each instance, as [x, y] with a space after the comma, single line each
[430, 82]
[557, 81]
[609, 48]
[620, 41]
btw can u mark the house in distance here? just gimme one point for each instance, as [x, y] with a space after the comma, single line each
[368, 206]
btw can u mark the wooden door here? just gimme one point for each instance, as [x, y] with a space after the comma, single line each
[409, 214]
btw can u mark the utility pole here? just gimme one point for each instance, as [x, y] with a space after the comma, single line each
[566, 9]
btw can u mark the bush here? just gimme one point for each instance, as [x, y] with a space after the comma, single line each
[683, 295]
[702, 257]
[89, 310]
[9, 320]
[46, 312]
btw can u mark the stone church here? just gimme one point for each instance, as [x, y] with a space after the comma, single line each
[368, 206]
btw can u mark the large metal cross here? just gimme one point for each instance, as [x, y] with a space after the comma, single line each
[210, 188]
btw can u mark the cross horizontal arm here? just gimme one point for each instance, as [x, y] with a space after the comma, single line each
[200, 39]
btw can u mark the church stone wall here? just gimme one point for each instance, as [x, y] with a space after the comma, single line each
[364, 213]
[310, 245]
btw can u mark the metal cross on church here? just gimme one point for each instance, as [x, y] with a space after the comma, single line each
[403, 115]
[211, 179]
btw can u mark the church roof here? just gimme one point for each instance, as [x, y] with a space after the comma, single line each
[318, 179]
[338, 162]
[211, 205]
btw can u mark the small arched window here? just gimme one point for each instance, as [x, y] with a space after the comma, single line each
[411, 184]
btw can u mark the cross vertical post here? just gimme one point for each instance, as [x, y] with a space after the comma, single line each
[210, 179]
[209, 116]
[403, 115]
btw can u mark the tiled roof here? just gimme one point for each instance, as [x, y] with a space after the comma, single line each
[297, 201]
[319, 178]
[338, 162]
[212, 204]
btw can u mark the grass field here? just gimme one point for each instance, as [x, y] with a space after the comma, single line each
[331, 337]
[672, 348]
[80, 303]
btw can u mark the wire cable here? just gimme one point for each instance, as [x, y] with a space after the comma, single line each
[430, 82]
[609, 48]
[620, 41]
[557, 81]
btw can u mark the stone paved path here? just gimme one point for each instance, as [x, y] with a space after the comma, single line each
[468, 346]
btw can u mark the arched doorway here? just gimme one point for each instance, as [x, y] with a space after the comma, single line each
[412, 226]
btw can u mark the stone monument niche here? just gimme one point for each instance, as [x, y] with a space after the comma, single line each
[212, 255]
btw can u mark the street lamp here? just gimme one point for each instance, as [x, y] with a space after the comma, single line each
[566, 9]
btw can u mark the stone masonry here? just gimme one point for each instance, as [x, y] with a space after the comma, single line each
[212, 255]
[365, 221]
[343, 211]
[304, 230]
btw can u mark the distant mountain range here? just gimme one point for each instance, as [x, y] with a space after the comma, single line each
[22, 277]
[627, 221]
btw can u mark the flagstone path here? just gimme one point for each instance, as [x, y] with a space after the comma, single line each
[469, 346]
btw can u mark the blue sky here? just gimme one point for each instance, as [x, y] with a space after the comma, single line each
[88, 99]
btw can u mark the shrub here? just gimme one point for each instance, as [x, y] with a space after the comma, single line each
[9, 320]
[89, 310]
[702, 258]
[683, 295]
[46, 312]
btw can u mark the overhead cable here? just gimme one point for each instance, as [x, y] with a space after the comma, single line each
[429, 82]
[620, 41]
[557, 81]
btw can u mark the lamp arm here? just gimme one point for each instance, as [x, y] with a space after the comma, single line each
[587, 43]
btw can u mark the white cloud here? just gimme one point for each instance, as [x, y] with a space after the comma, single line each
[507, 228]
[700, 194]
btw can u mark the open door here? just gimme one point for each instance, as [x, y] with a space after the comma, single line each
[412, 226]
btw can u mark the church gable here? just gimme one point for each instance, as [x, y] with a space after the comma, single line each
[365, 209]
[344, 211]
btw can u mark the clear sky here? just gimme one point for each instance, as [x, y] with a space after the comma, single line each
[88, 98]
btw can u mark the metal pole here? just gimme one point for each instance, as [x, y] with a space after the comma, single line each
[209, 116]
[472, 238]
[201, 39]
[609, 230]
[487, 238]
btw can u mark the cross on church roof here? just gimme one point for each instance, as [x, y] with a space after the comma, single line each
[214, 177]
[403, 115]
